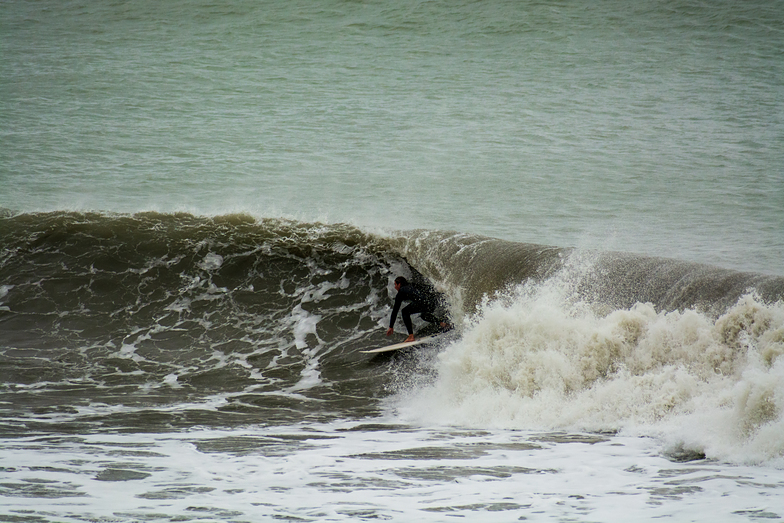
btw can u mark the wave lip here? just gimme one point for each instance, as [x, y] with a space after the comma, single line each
[476, 267]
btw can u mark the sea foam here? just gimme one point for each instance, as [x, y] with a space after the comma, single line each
[536, 359]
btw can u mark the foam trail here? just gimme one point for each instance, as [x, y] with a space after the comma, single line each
[539, 359]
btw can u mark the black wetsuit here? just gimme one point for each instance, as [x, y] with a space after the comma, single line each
[419, 305]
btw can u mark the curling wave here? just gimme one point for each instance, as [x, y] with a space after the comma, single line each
[171, 320]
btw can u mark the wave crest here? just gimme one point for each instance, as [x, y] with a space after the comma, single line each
[537, 359]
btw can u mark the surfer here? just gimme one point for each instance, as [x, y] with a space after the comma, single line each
[420, 304]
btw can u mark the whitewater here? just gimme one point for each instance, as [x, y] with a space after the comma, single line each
[203, 209]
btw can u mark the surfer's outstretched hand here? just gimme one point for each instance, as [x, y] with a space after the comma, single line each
[389, 331]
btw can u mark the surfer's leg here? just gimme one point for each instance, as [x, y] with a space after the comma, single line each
[441, 321]
[439, 317]
[407, 311]
[428, 317]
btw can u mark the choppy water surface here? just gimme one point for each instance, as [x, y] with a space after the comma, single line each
[170, 366]
[203, 208]
[355, 471]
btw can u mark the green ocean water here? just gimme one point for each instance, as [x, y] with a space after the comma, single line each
[649, 127]
[203, 206]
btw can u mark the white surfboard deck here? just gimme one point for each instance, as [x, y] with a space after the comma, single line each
[405, 344]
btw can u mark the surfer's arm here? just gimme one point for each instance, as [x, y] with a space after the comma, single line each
[395, 309]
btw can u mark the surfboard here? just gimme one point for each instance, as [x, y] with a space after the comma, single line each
[405, 344]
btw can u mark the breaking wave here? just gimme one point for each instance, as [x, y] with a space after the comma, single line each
[115, 320]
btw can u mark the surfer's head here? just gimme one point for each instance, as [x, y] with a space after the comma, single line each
[399, 282]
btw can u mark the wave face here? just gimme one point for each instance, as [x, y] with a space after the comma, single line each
[165, 321]
[232, 315]
[478, 267]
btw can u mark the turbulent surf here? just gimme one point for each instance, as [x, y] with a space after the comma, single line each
[169, 321]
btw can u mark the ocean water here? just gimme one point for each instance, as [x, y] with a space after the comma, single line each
[203, 207]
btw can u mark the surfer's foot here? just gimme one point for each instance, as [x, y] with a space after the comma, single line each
[446, 326]
[410, 338]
